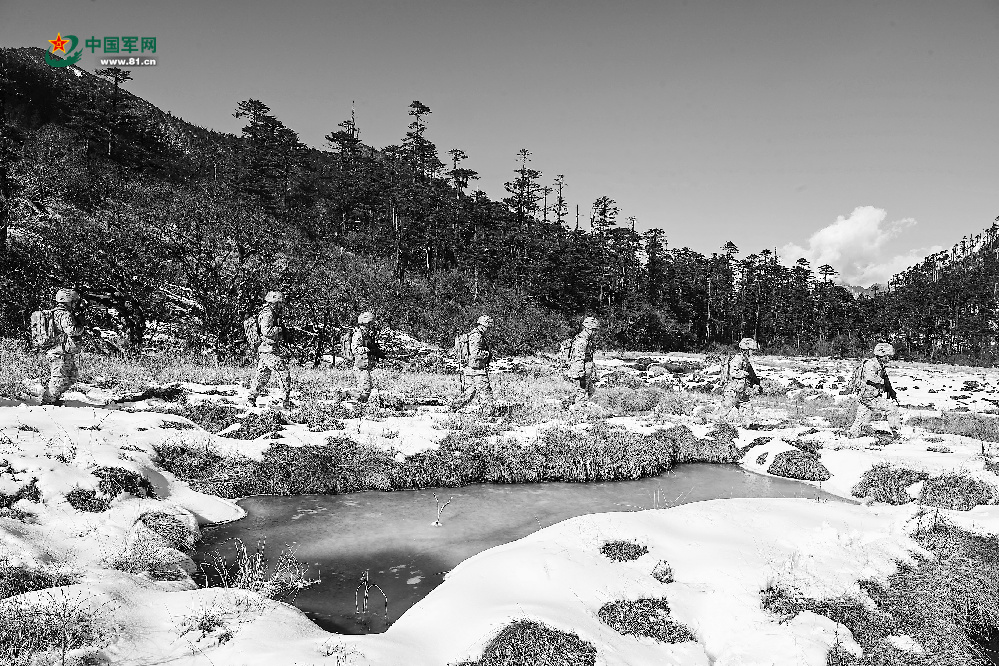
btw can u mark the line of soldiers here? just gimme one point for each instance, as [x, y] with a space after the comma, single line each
[874, 390]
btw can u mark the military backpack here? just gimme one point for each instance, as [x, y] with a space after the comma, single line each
[347, 344]
[565, 351]
[251, 329]
[44, 333]
[857, 377]
[461, 349]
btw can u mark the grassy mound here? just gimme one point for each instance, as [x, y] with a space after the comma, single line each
[976, 426]
[949, 605]
[644, 617]
[956, 491]
[799, 465]
[18, 579]
[530, 643]
[887, 483]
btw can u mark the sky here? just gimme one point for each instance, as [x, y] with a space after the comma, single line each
[862, 134]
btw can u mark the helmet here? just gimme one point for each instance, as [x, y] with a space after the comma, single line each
[485, 320]
[748, 343]
[274, 297]
[365, 317]
[884, 349]
[67, 296]
[591, 323]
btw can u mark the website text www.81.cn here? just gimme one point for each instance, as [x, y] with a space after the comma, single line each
[128, 62]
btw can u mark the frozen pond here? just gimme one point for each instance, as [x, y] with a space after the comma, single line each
[391, 534]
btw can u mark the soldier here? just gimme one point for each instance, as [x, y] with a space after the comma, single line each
[476, 369]
[581, 371]
[366, 353]
[273, 354]
[874, 392]
[741, 376]
[64, 356]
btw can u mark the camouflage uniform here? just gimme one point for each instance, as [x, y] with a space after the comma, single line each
[272, 356]
[581, 369]
[366, 353]
[742, 376]
[64, 356]
[477, 373]
[875, 395]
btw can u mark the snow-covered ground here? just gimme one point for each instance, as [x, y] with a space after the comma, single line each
[722, 552]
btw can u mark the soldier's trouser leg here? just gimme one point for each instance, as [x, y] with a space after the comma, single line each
[466, 396]
[890, 409]
[484, 390]
[864, 414]
[364, 385]
[63, 373]
[262, 376]
[731, 405]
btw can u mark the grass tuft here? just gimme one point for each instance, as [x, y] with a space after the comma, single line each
[623, 551]
[959, 492]
[530, 643]
[87, 500]
[976, 426]
[19, 579]
[796, 464]
[887, 483]
[281, 580]
[174, 532]
[644, 617]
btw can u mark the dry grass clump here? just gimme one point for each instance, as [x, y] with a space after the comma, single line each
[531, 643]
[689, 448]
[117, 480]
[663, 572]
[211, 416]
[281, 580]
[976, 426]
[173, 531]
[59, 630]
[322, 416]
[254, 425]
[644, 617]
[623, 400]
[87, 500]
[956, 491]
[28, 491]
[799, 465]
[623, 551]
[18, 365]
[887, 483]
[19, 579]
[207, 621]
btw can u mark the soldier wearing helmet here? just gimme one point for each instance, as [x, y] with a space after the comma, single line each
[477, 369]
[366, 352]
[581, 371]
[741, 378]
[272, 352]
[875, 393]
[64, 368]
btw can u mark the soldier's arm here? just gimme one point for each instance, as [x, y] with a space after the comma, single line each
[475, 350]
[872, 374]
[578, 352]
[269, 327]
[357, 343]
[69, 324]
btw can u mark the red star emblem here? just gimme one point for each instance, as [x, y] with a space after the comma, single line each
[58, 44]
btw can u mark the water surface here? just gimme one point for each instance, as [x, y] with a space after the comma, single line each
[391, 534]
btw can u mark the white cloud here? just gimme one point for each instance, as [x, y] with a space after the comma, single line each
[855, 246]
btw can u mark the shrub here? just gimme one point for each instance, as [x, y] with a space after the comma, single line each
[48, 632]
[689, 449]
[644, 617]
[177, 425]
[281, 581]
[176, 534]
[530, 643]
[886, 483]
[145, 558]
[956, 491]
[210, 416]
[798, 465]
[663, 572]
[340, 466]
[623, 551]
[781, 602]
[85, 499]
[117, 480]
[322, 416]
[19, 579]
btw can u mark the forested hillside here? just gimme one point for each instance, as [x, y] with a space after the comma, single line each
[172, 228]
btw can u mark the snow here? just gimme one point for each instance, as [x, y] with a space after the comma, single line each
[722, 552]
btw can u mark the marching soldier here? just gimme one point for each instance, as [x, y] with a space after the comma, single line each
[875, 393]
[581, 371]
[64, 354]
[272, 352]
[476, 369]
[741, 378]
[366, 352]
